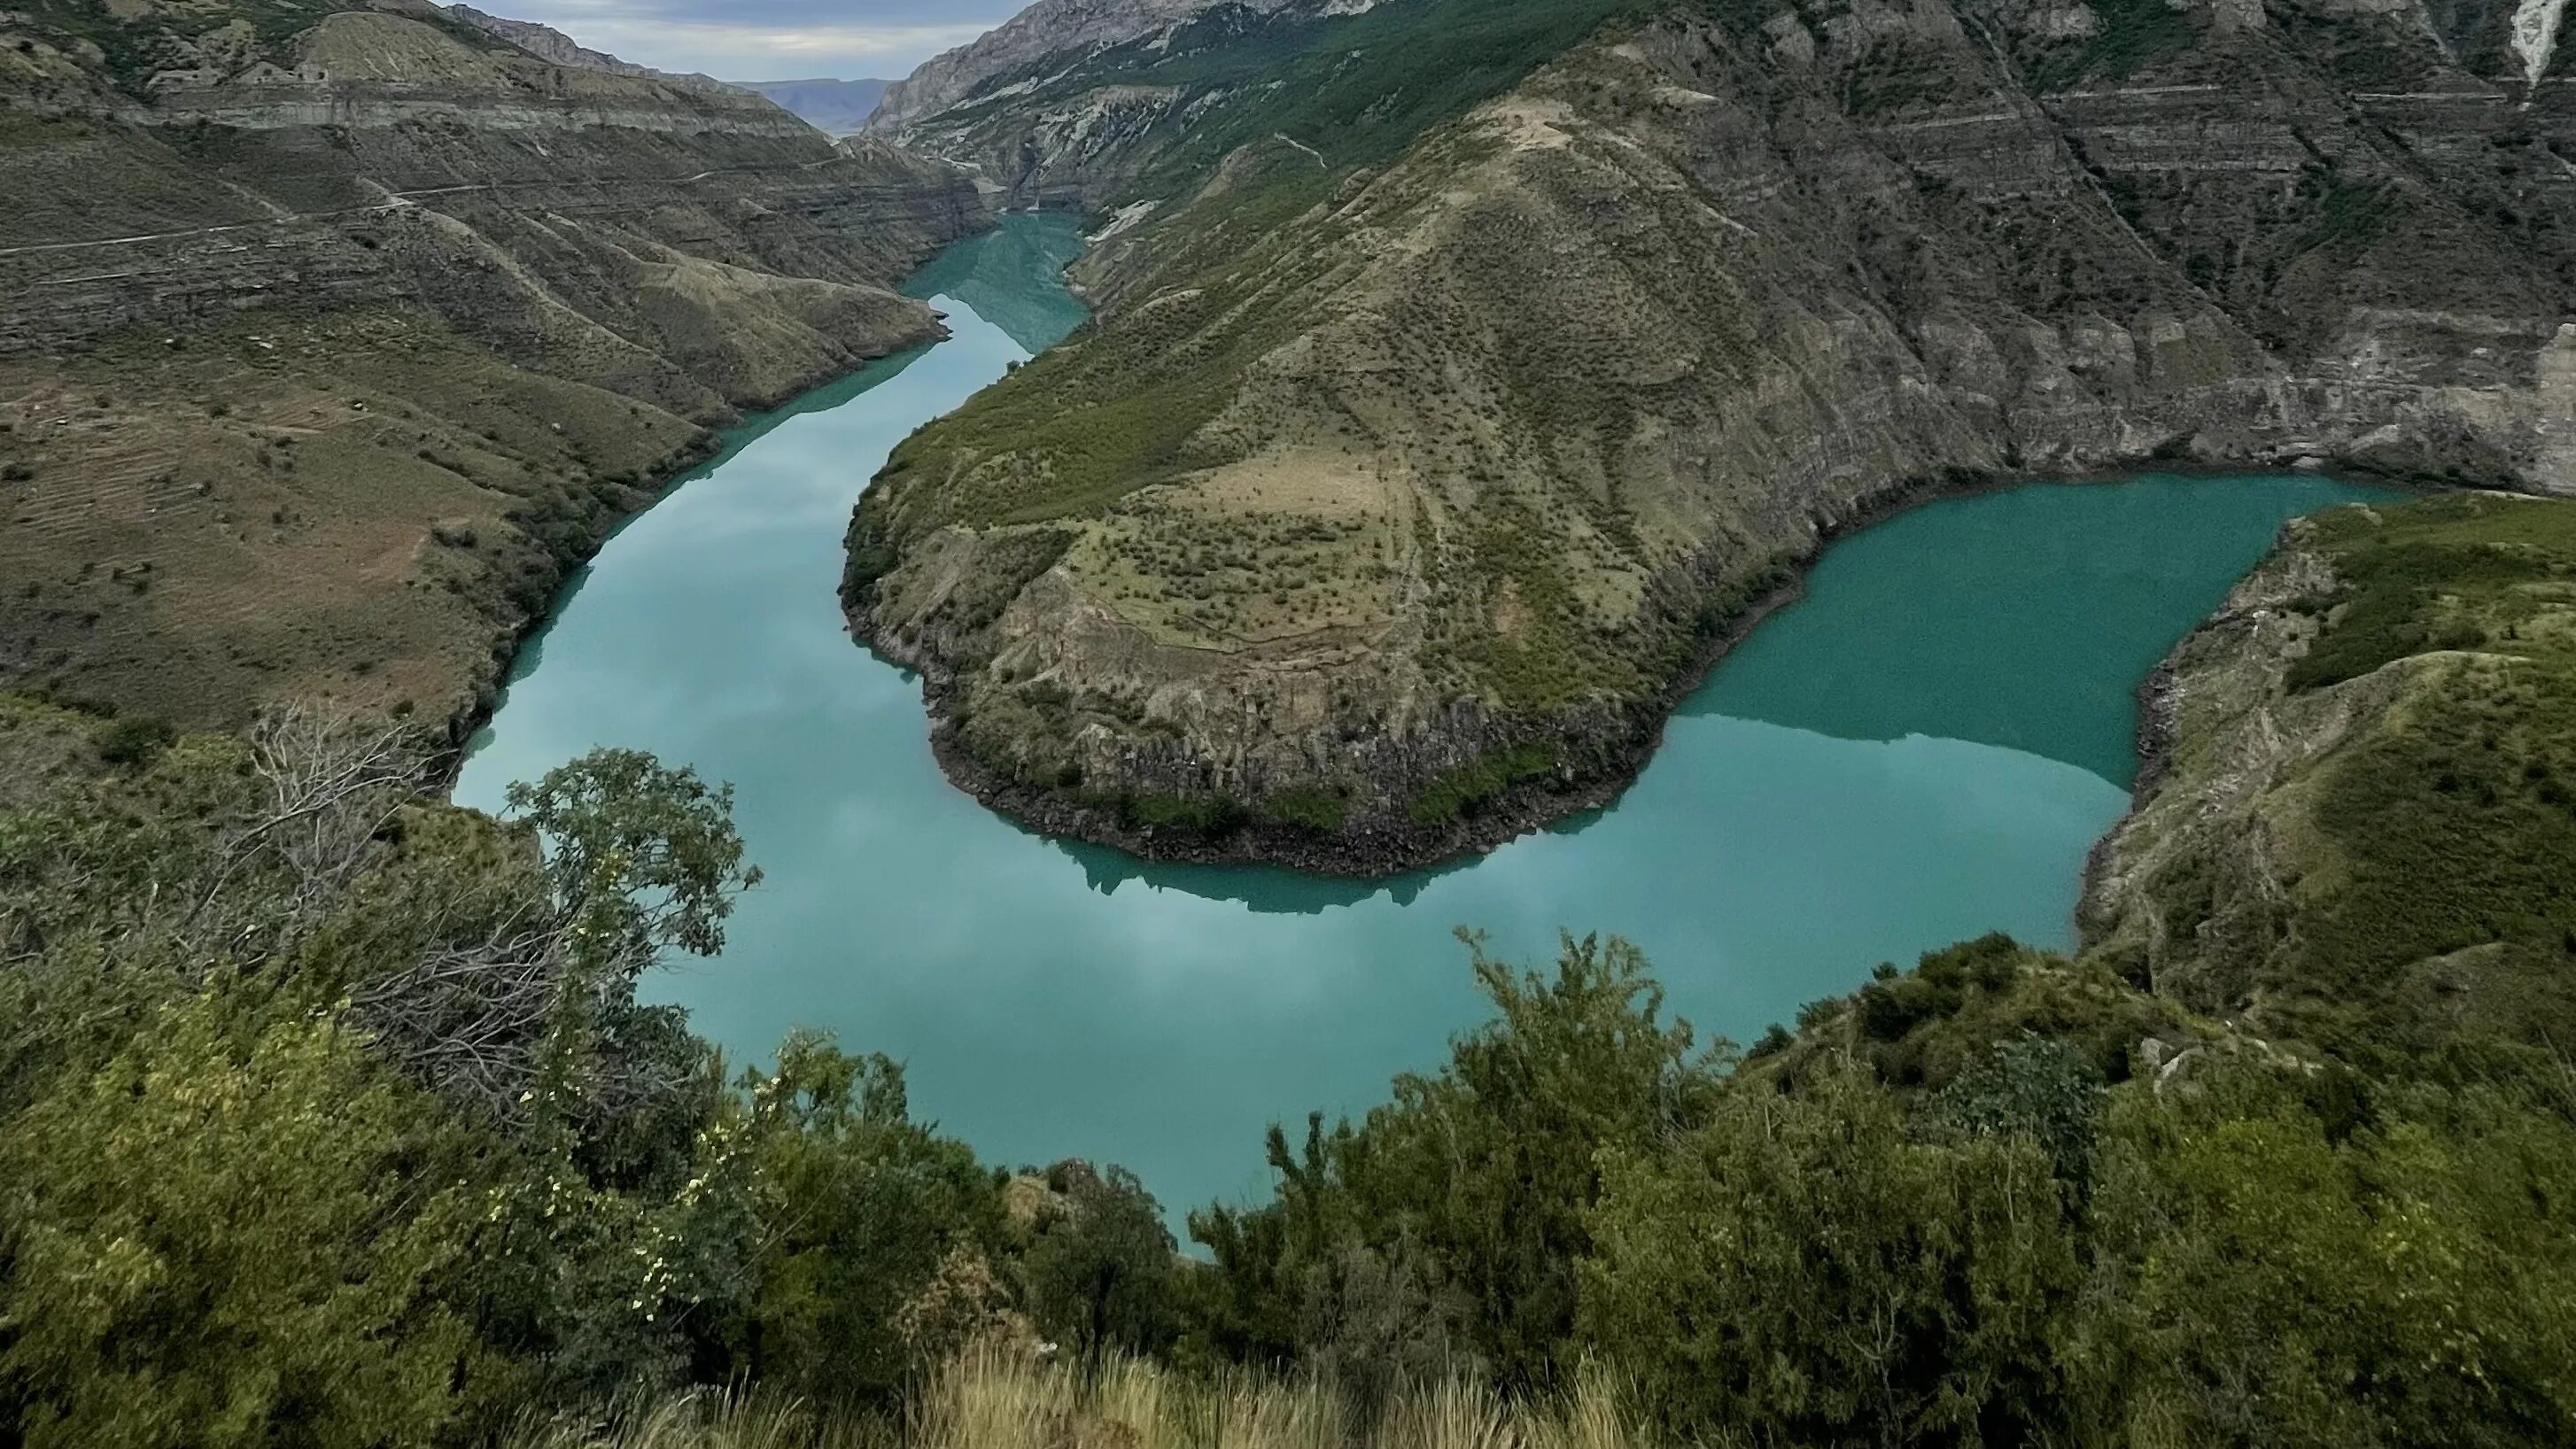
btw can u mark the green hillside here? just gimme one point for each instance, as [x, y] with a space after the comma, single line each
[331, 1118]
[1484, 398]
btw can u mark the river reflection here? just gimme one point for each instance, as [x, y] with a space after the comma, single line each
[1920, 751]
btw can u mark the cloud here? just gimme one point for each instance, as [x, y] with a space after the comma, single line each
[767, 39]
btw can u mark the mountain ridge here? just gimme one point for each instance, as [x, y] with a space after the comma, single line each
[479, 302]
[1253, 568]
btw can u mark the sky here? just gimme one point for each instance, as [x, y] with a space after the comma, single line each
[768, 39]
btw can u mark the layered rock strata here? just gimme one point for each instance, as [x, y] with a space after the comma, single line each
[1388, 509]
[504, 295]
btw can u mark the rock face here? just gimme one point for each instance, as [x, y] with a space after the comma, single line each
[1388, 508]
[546, 43]
[557, 272]
[1051, 37]
[1051, 32]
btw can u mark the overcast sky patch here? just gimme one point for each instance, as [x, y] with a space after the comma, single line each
[768, 39]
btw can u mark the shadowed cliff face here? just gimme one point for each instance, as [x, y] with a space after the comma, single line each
[1386, 508]
[350, 331]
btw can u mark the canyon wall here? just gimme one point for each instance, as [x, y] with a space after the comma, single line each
[515, 291]
[1391, 505]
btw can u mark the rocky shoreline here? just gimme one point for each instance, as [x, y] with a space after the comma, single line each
[1378, 850]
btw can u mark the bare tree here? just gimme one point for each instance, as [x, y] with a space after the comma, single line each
[466, 1019]
[329, 782]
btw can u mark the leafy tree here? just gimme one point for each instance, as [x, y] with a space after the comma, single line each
[1469, 1192]
[233, 1234]
[1100, 1273]
[641, 859]
[1802, 1270]
[644, 856]
[859, 1208]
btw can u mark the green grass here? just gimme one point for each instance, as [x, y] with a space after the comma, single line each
[2403, 880]
[1321, 811]
[1461, 792]
[1205, 814]
[2465, 571]
[2455, 817]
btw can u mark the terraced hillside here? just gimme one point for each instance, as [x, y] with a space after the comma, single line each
[332, 335]
[1403, 483]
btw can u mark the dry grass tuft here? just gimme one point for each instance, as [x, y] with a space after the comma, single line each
[995, 1399]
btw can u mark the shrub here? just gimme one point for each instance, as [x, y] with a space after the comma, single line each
[1462, 791]
[1100, 1273]
[1320, 811]
[231, 1236]
[1801, 1271]
[134, 739]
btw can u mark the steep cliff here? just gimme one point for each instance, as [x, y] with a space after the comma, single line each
[545, 42]
[330, 336]
[1390, 505]
[1072, 112]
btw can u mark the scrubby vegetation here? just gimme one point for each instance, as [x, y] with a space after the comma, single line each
[331, 1118]
[1473, 784]
[2397, 871]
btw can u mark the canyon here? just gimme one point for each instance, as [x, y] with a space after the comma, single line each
[1393, 501]
[332, 337]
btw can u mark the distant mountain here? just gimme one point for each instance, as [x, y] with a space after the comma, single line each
[838, 106]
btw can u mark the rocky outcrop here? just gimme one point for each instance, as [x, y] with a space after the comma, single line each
[477, 232]
[1397, 523]
[680, 237]
[1076, 102]
[546, 43]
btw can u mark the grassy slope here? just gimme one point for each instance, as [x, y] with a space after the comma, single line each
[349, 451]
[2367, 828]
[1359, 92]
[351, 504]
[1514, 413]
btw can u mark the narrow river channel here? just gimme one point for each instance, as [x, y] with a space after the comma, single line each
[1920, 751]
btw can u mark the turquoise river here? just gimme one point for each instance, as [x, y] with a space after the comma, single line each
[1921, 750]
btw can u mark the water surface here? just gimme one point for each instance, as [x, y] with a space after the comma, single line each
[1920, 751]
